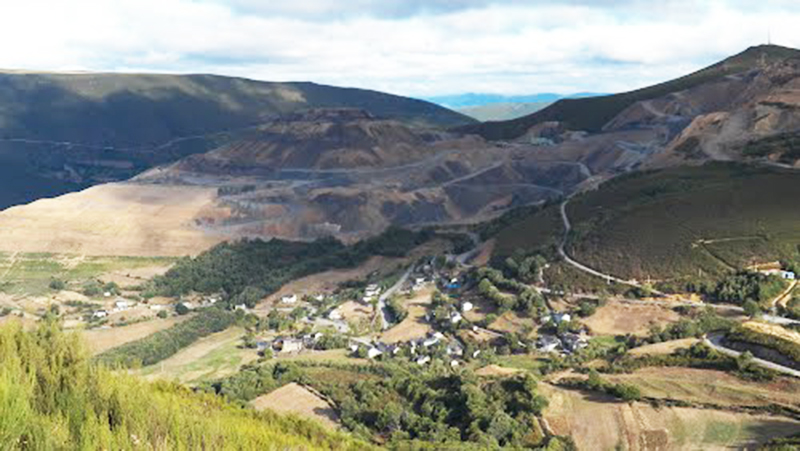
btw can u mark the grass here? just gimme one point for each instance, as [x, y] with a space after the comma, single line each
[30, 273]
[53, 397]
[212, 357]
[522, 362]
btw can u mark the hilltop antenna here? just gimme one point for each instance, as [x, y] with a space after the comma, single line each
[769, 37]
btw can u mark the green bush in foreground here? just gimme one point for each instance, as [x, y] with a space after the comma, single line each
[52, 397]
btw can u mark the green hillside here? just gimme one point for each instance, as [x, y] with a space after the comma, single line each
[592, 113]
[678, 222]
[52, 397]
[61, 132]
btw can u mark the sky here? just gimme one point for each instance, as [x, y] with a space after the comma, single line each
[409, 47]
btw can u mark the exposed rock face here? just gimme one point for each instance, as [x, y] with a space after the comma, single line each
[345, 172]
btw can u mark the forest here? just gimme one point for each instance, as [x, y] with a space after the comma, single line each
[246, 271]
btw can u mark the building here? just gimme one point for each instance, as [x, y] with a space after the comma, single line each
[423, 360]
[788, 275]
[373, 352]
[372, 290]
[467, 307]
[454, 348]
[100, 314]
[559, 318]
[335, 315]
[455, 317]
[573, 342]
[287, 345]
[548, 343]
[289, 299]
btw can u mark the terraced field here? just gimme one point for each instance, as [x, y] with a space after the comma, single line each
[600, 422]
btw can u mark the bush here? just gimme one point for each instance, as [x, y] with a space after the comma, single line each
[162, 314]
[55, 398]
[57, 284]
[182, 309]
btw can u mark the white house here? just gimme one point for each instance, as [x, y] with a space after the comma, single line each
[423, 360]
[287, 345]
[467, 307]
[373, 352]
[548, 343]
[335, 315]
[788, 275]
[562, 318]
[100, 314]
[289, 298]
[122, 305]
[455, 317]
[372, 290]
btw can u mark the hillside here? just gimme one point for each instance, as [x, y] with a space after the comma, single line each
[341, 172]
[55, 398]
[502, 111]
[593, 113]
[675, 223]
[61, 132]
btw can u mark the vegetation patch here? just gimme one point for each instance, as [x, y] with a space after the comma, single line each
[670, 224]
[160, 345]
[53, 397]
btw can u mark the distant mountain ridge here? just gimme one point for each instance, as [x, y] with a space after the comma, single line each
[472, 99]
[61, 132]
[593, 113]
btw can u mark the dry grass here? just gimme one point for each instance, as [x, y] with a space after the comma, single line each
[710, 386]
[511, 322]
[100, 340]
[112, 219]
[599, 422]
[296, 399]
[496, 370]
[773, 330]
[618, 318]
[665, 348]
[352, 310]
[414, 325]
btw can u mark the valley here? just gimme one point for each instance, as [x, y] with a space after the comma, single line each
[612, 272]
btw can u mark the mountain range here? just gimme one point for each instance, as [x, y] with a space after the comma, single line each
[62, 132]
[353, 171]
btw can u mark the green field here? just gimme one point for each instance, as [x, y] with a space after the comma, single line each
[31, 273]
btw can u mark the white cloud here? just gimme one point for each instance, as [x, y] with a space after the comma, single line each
[407, 47]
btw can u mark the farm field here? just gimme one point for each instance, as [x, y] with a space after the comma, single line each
[663, 348]
[710, 386]
[599, 422]
[298, 400]
[414, 325]
[212, 357]
[102, 339]
[619, 318]
[29, 274]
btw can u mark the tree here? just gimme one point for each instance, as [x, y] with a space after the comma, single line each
[751, 308]
[57, 284]
[162, 314]
[181, 309]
